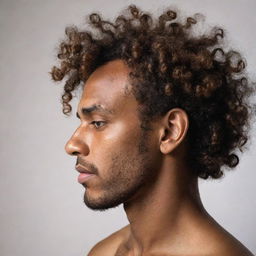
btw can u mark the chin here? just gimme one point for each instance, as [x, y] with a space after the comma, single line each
[101, 204]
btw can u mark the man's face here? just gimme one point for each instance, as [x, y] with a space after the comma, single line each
[123, 157]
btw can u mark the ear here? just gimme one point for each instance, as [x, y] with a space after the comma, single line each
[173, 129]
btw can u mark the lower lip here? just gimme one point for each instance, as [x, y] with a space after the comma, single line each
[84, 176]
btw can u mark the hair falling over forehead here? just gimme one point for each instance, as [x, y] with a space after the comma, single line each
[171, 67]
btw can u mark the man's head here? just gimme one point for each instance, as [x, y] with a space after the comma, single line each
[169, 69]
[111, 143]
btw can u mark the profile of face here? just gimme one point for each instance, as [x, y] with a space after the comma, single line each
[110, 142]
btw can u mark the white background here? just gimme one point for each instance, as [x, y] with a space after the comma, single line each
[41, 203]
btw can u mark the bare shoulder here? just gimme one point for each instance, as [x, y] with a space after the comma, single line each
[234, 248]
[109, 245]
[212, 239]
[228, 245]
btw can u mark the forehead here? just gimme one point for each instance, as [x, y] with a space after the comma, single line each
[106, 86]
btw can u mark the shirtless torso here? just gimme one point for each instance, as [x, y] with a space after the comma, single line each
[226, 245]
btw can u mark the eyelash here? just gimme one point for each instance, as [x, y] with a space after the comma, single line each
[93, 122]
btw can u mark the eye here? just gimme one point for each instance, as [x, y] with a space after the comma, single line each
[97, 124]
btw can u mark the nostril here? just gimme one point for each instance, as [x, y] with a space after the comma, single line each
[75, 153]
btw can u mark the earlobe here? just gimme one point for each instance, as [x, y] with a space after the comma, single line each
[173, 130]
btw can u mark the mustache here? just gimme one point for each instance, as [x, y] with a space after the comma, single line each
[89, 167]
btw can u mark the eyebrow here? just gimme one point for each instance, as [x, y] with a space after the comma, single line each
[87, 111]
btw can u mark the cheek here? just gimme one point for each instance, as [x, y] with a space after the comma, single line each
[117, 136]
[121, 129]
[117, 142]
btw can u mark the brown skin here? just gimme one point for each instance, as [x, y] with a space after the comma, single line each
[145, 172]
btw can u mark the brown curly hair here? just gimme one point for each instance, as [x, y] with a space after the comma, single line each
[170, 68]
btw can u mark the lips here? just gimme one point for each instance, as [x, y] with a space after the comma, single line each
[82, 169]
[84, 174]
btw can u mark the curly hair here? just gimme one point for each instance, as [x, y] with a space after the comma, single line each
[170, 68]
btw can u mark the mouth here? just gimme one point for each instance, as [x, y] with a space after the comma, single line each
[82, 177]
[84, 174]
[82, 169]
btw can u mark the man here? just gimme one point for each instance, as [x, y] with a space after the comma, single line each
[158, 110]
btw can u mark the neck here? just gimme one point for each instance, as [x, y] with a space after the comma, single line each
[165, 212]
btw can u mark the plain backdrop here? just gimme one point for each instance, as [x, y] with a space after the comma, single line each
[41, 203]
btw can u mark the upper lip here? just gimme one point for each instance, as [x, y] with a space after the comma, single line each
[82, 169]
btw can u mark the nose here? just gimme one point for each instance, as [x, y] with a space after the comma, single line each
[75, 146]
